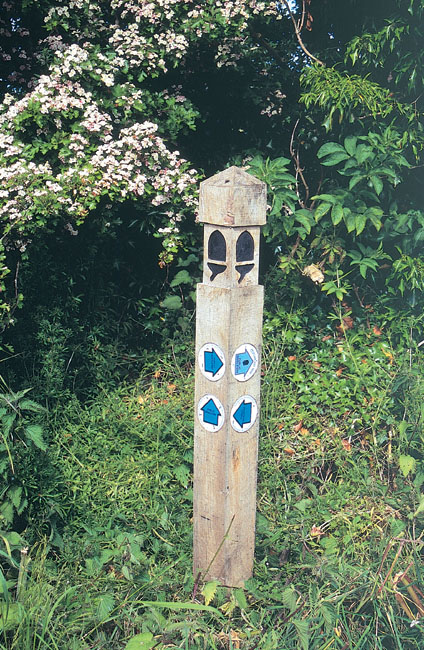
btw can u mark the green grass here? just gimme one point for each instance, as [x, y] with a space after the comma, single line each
[338, 559]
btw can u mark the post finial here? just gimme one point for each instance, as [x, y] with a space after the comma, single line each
[232, 198]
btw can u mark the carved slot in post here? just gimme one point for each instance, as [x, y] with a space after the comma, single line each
[245, 253]
[215, 270]
[217, 248]
[243, 270]
[217, 251]
[245, 247]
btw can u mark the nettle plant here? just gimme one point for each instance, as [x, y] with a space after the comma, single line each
[354, 231]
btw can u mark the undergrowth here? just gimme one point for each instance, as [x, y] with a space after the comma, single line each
[99, 556]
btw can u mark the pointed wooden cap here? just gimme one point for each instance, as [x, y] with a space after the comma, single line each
[233, 198]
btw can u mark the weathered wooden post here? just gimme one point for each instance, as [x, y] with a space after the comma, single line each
[228, 347]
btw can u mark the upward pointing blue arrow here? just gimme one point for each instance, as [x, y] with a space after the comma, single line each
[243, 415]
[210, 412]
[212, 362]
[242, 363]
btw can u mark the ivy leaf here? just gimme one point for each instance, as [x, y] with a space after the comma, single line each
[407, 464]
[209, 591]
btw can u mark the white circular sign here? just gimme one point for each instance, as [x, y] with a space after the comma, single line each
[211, 413]
[245, 362]
[244, 413]
[211, 361]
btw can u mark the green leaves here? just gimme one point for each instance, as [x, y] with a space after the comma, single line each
[330, 148]
[34, 433]
[350, 144]
[209, 590]
[333, 153]
[172, 302]
[377, 183]
[407, 464]
[367, 258]
[347, 96]
[322, 210]
[182, 277]
[337, 214]
[143, 641]
[104, 606]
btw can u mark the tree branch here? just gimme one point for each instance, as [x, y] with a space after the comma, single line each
[299, 171]
[297, 32]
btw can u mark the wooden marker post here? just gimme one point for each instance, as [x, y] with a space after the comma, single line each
[228, 371]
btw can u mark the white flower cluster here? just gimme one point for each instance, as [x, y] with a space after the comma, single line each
[74, 137]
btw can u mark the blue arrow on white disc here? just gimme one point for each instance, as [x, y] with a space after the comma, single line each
[242, 363]
[245, 362]
[244, 413]
[211, 361]
[211, 413]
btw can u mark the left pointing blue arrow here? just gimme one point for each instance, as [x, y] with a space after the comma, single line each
[243, 415]
[212, 362]
[210, 413]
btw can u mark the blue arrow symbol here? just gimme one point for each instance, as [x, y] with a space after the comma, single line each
[212, 362]
[243, 415]
[242, 363]
[210, 413]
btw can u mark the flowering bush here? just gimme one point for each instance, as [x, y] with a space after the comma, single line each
[91, 127]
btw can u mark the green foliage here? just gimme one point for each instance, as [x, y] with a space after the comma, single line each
[355, 222]
[348, 96]
[387, 46]
[20, 438]
[122, 485]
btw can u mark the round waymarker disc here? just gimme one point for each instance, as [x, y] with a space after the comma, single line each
[245, 362]
[211, 361]
[244, 413]
[211, 413]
